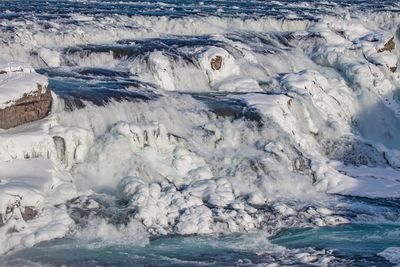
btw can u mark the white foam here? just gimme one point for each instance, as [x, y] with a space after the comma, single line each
[99, 233]
[321, 89]
[391, 254]
[109, 29]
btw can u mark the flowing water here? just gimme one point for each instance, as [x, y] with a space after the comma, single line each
[218, 133]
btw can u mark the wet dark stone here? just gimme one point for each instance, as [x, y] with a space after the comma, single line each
[60, 147]
[76, 99]
[29, 213]
[354, 152]
[226, 107]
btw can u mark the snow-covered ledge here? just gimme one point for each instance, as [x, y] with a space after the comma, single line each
[31, 195]
[24, 94]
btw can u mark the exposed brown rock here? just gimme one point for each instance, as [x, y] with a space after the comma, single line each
[216, 63]
[393, 69]
[389, 46]
[29, 108]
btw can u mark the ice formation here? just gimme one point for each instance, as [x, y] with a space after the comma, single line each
[318, 115]
[16, 80]
[33, 195]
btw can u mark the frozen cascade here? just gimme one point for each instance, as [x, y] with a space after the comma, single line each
[205, 125]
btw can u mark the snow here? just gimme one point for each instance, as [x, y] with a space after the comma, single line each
[228, 67]
[195, 220]
[50, 57]
[16, 80]
[162, 70]
[119, 27]
[14, 66]
[37, 139]
[371, 182]
[325, 115]
[26, 189]
[39, 185]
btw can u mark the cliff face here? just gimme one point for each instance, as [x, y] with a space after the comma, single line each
[24, 95]
[28, 108]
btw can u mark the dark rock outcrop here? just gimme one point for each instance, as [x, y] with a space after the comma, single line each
[28, 108]
[216, 63]
[59, 142]
[389, 46]
[27, 213]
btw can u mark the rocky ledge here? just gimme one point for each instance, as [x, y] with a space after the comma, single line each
[388, 46]
[24, 95]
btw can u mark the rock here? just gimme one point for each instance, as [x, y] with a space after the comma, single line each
[389, 46]
[59, 142]
[28, 108]
[24, 94]
[15, 210]
[29, 213]
[216, 63]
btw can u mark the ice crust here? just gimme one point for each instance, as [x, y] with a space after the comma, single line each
[16, 80]
[325, 94]
[39, 185]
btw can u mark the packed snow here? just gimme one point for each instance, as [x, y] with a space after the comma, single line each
[33, 193]
[17, 80]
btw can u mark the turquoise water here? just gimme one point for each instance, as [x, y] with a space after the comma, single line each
[359, 243]
[166, 251]
[349, 245]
